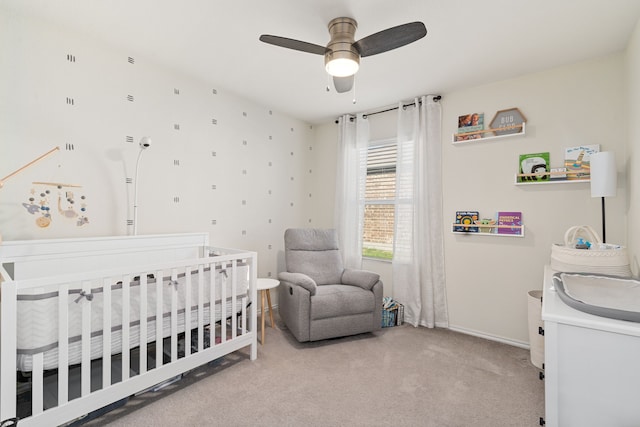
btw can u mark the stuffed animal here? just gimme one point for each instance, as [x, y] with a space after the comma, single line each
[485, 221]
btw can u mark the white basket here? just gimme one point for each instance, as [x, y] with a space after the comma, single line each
[601, 258]
[536, 341]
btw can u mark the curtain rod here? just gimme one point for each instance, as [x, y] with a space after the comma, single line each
[435, 98]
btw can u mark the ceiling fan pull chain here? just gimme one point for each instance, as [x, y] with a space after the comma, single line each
[328, 82]
[354, 89]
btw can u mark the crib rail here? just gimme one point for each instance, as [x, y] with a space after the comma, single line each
[132, 327]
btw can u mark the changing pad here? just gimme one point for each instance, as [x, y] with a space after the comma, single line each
[605, 296]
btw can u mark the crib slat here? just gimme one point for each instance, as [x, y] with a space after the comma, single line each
[37, 384]
[63, 344]
[201, 313]
[244, 315]
[212, 328]
[212, 304]
[106, 335]
[187, 310]
[252, 262]
[159, 319]
[174, 315]
[234, 286]
[224, 277]
[8, 343]
[126, 325]
[143, 324]
[85, 366]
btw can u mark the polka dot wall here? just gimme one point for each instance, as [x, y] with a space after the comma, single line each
[217, 162]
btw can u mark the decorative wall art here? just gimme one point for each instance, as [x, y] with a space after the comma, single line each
[507, 122]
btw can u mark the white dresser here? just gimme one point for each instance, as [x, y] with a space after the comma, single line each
[592, 366]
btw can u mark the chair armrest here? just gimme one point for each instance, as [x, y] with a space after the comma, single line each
[364, 279]
[299, 279]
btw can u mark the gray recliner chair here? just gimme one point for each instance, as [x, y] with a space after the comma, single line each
[318, 298]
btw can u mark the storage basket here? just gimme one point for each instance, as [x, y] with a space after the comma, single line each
[536, 341]
[392, 313]
[601, 258]
[389, 317]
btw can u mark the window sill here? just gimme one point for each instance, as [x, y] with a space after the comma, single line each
[366, 258]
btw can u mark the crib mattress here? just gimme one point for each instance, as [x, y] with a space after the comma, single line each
[37, 312]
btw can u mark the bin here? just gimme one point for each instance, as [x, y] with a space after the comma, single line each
[536, 341]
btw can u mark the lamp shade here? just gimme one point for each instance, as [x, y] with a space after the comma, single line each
[604, 176]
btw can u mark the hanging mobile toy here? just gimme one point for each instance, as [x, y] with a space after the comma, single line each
[67, 211]
[39, 221]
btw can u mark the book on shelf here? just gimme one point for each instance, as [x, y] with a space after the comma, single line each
[558, 175]
[577, 160]
[466, 218]
[468, 123]
[509, 222]
[533, 166]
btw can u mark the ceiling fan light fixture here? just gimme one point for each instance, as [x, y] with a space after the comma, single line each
[341, 58]
[342, 67]
[342, 54]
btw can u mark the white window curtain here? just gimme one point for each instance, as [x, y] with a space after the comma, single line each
[418, 255]
[351, 178]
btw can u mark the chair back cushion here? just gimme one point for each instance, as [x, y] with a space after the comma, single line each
[314, 252]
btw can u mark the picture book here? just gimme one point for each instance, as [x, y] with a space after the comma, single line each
[509, 219]
[557, 174]
[577, 160]
[532, 167]
[466, 218]
[470, 123]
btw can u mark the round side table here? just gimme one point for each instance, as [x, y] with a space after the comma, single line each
[265, 286]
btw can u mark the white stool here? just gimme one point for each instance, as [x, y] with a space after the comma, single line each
[265, 286]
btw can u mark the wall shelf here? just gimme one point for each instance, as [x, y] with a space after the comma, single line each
[493, 227]
[558, 181]
[521, 127]
[564, 180]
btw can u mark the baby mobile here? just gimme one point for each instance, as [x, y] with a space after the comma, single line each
[67, 204]
[39, 202]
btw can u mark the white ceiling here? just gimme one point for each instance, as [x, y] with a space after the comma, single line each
[468, 43]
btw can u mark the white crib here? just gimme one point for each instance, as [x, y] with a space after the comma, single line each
[88, 322]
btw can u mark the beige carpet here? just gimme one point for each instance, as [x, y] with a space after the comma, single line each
[401, 376]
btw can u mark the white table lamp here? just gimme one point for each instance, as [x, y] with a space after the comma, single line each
[604, 180]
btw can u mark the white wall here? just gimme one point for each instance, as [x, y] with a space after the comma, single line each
[488, 277]
[632, 68]
[261, 170]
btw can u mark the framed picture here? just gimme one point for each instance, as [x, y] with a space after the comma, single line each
[507, 122]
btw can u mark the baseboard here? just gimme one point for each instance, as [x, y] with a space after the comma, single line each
[508, 341]
[490, 337]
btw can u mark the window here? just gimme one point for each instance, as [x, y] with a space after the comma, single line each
[379, 204]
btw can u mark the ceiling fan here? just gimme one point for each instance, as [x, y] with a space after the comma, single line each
[342, 54]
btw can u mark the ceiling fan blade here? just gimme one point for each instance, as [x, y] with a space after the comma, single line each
[293, 44]
[390, 39]
[343, 84]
